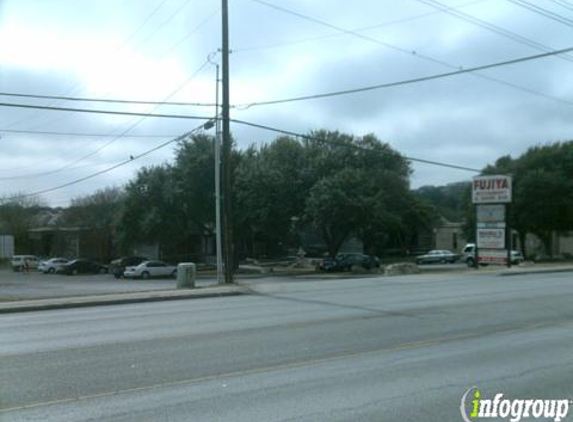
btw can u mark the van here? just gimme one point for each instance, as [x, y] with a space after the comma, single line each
[469, 255]
[18, 262]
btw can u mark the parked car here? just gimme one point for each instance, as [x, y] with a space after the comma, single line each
[82, 266]
[148, 269]
[437, 256]
[18, 262]
[345, 262]
[118, 266]
[52, 265]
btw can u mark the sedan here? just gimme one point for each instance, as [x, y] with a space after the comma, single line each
[82, 266]
[345, 262]
[437, 256]
[52, 265]
[150, 269]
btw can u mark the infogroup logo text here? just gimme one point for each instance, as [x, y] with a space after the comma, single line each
[512, 409]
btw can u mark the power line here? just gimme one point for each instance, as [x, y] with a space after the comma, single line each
[132, 126]
[490, 27]
[543, 12]
[414, 80]
[104, 100]
[340, 144]
[564, 4]
[162, 25]
[80, 134]
[406, 51]
[361, 29]
[107, 170]
[99, 111]
[117, 50]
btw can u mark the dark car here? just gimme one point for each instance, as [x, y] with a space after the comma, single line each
[117, 266]
[345, 262]
[437, 256]
[82, 266]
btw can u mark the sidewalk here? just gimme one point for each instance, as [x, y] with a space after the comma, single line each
[120, 298]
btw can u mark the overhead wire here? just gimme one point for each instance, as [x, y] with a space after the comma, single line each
[79, 134]
[357, 30]
[491, 27]
[411, 81]
[105, 100]
[340, 144]
[114, 139]
[107, 170]
[406, 51]
[543, 12]
[564, 4]
[117, 50]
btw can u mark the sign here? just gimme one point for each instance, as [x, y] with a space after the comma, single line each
[492, 256]
[491, 238]
[491, 189]
[491, 213]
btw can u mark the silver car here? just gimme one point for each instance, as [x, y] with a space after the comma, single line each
[437, 256]
[149, 269]
[51, 266]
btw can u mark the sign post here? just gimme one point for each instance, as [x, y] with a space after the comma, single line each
[492, 195]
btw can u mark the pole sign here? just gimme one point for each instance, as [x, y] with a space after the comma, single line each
[491, 238]
[491, 190]
[492, 194]
[493, 256]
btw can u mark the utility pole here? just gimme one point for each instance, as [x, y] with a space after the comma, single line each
[226, 164]
[218, 238]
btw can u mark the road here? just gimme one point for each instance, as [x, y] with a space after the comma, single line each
[376, 349]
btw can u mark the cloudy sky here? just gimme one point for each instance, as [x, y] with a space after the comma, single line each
[157, 50]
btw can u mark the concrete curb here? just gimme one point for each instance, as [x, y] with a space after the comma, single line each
[535, 271]
[120, 298]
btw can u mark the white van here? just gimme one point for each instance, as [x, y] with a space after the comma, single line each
[469, 255]
[19, 261]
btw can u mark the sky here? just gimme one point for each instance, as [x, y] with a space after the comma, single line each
[167, 50]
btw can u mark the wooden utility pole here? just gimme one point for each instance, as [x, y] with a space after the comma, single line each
[226, 147]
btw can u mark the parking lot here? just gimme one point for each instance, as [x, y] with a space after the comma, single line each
[35, 285]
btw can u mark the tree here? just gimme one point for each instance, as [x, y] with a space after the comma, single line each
[360, 187]
[269, 193]
[98, 212]
[150, 212]
[17, 216]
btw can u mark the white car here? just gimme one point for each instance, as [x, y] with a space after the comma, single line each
[148, 269]
[19, 262]
[52, 265]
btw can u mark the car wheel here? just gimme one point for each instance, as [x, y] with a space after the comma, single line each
[174, 274]
[51, 270]
[145, 275]
[471, 263]
[75, 271]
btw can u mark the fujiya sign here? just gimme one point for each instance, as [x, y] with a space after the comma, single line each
[491, 189]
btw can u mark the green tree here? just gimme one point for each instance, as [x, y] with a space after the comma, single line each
[17, 216]
[98, 212]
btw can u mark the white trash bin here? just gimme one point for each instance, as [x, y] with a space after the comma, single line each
[186, 272]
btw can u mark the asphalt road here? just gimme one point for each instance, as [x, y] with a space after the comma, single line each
[399, 349]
